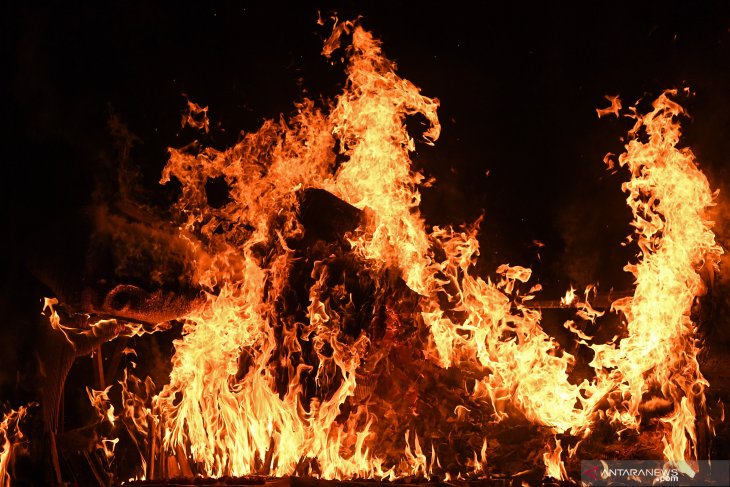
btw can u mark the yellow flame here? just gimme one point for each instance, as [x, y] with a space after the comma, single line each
[669, 197]
[569, 297]
[554, 466]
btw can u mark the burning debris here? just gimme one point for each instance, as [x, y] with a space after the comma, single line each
[334, 335]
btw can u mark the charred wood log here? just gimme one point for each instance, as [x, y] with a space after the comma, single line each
[601, 301]
[325, 216]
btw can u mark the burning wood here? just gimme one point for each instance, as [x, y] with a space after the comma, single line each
[328, 333]
[599, 301]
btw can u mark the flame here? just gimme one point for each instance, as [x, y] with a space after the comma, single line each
[11, 437]
[585, 310]
[102, 405]
[614, 109]
[368, 121]
[669, 197]
[238, 422]
[99, 331]
[569, 297]
[237, 419]
[196, 116]
[478, 463]
[270, 379]
[554, 466]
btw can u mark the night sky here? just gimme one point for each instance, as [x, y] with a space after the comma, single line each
[518, 86]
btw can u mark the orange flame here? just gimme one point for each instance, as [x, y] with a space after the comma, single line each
[613, 109]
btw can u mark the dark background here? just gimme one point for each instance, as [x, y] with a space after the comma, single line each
[518, 85]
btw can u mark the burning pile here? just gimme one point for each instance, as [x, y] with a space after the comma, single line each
[340, 337]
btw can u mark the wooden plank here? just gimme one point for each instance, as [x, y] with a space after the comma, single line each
[54, 456]
[172, 470]
[115, 359]
[152, 440]
[97, 366]
[93, 468]
[601, 301]
[182, 461]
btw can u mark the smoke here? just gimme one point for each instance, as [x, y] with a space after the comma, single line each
[128, 176]
[581, 256]
[716, 307]
[593, 225]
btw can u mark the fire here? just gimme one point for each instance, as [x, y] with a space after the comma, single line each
[238, 422]
[11, 438]
[670, 198]
[288, 367]
[614, 109]
[569, 297]
[553, 464]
